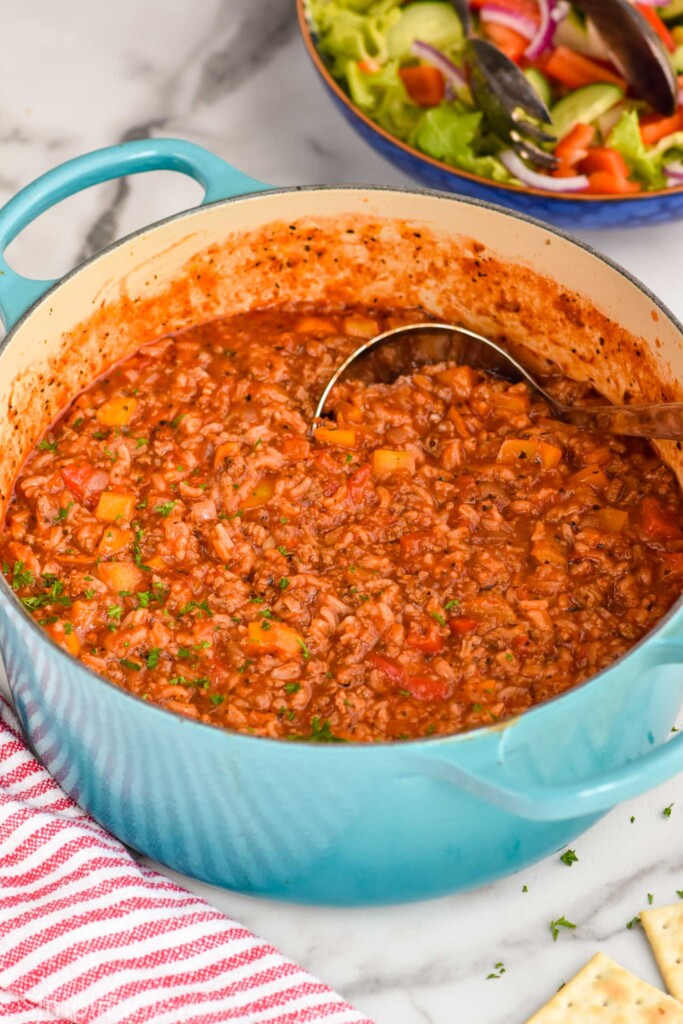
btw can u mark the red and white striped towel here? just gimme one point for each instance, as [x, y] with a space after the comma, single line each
[88, 935]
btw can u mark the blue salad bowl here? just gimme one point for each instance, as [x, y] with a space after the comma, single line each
[567, 210]
[342, 823]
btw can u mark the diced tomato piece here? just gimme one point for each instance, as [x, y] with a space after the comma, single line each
[658, 523]
[413, 545]
[573, 146]
[529, 8]
[575, 70]
[509, 42]
[605, 184]
[520, 644]
[427, 687]
[358, 483]
[391, 669]
[424, 84]
[653, 127]
[604, 158]
[295, 449]
[462, 625]
[658, 25]
[85, 481]
[429, 642]
[368, 66]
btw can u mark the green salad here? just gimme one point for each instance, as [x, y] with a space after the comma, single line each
[405, 66]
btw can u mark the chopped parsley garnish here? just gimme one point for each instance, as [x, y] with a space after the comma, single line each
[284, 520]
[633, 923]
[114, 612]
[175, 422]
[258, 442]
[201, 606]
[284, 582]
[77, 423]
[184, 652]
[153, 657]
[438, 618]
[89, 594]
[100, 435]
[165, 508]
[304, 649]
[561, 922]
[667, 811]
[405, 693]
[140, 441]
[133, 665]
[137, 550]
[217, 698]
[283, 551]
[525, 888]
[349, 458]
[451, 604]
[21, 576]
[322, 733]
[47, 446]
[569, 857]
[49, 620]
[63, 513]
[292, 687]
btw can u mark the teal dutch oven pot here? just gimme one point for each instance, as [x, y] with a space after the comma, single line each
[342, 823]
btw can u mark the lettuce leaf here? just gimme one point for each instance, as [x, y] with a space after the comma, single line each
[346, 35]
[452, 133]
[645, 165]
[382, 96]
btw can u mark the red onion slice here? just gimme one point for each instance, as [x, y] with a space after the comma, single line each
[533, 179]
[518, 22]
[674, 171]
[545, 32]
[439, 60]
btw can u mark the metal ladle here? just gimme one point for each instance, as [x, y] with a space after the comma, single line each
[402, 350]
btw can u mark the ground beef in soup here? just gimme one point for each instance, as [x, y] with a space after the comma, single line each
[442, 555]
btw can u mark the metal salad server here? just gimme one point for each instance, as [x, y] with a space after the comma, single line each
[404, 349]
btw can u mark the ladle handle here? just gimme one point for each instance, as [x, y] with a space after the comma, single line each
[219, 179]
[663, 421]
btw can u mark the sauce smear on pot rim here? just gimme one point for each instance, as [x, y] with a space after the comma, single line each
[443, 555]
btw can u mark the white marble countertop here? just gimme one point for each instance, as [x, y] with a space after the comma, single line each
[233, 76]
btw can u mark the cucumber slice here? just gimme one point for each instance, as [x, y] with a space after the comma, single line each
[584, 105]
[540, 83]
[431, 21]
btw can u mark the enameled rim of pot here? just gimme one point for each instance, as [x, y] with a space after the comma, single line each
[541, 193]
[537, 710]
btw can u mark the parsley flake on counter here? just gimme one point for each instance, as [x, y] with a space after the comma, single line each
[569, 857]
[650, 898]
[667, 811]
[561, 922]
[525, 888]
[633, 923]
[498, 971]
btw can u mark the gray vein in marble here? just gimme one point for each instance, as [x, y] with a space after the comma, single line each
[266, 28]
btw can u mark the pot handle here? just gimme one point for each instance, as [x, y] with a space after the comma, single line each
[538, 802]
[219, 179]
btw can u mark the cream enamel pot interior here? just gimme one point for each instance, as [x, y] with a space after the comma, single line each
[342, 823]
